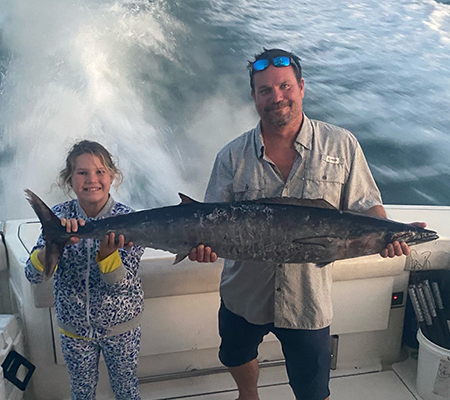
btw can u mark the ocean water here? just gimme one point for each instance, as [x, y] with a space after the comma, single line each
[163, 85]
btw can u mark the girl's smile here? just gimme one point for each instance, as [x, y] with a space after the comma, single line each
[91, 182]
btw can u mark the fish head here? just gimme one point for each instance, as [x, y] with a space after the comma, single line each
[415, 235]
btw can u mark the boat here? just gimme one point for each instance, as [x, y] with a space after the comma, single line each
[180, 339]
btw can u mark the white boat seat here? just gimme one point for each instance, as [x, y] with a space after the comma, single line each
[160, 278]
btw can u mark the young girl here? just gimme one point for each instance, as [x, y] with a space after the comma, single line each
[98, 294]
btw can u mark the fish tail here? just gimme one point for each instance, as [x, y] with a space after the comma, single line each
[51, 231]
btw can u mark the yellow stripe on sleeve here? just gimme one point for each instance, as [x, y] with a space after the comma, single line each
[35, 261]
[110, 263]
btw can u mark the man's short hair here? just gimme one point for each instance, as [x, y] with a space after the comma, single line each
[270, 54]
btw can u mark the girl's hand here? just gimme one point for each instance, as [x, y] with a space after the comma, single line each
[71, 225]
[109, 245]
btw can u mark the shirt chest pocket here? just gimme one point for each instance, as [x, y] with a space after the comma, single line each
[326, 181]
[249, 190]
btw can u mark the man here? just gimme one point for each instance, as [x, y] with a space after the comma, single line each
[286, 155]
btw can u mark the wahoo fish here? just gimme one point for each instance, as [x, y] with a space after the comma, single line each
[278, 230]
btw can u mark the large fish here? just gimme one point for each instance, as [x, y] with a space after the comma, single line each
[282, 230]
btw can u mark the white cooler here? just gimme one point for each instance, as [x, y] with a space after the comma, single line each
[10, 339]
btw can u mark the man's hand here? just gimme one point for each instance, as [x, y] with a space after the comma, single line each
[399, 248]
[202, 254]
[395, 248]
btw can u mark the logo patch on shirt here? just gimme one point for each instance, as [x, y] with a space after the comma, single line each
[332, 160]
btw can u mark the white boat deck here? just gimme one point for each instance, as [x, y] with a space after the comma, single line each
[396, 384]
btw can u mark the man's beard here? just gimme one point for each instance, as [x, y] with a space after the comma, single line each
[278, 119]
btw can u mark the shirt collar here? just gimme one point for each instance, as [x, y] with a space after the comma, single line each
[104, 212]
[259, 142]
[304, 137]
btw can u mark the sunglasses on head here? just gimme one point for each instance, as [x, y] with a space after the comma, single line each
[281, 61]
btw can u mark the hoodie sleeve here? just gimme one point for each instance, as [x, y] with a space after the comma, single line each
[33, 267]
[121, 266]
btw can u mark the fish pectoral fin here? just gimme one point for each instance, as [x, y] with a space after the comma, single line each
[322, 241]
[186, 199]
[179, 258]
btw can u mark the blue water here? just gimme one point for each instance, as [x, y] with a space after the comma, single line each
[163, 85]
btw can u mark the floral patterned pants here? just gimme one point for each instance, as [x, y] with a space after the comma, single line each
[121, 354]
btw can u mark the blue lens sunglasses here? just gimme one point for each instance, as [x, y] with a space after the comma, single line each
[281, 61]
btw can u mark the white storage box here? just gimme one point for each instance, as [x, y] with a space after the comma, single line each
[10, 339]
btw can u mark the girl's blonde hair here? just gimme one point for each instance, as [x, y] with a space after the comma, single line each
[88, 147]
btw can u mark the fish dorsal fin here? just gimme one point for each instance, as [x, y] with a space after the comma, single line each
[294, 201]
[186, 199]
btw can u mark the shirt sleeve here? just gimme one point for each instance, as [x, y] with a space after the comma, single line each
[111, 267]
[33, 267]
[129, 266]
[220, 186]
[360, 192]
[35, 261]
[110, 263]
[121, 267]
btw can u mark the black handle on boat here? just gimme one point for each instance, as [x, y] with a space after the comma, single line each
[15, 362]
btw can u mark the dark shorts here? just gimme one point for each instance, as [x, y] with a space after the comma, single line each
[307, 352]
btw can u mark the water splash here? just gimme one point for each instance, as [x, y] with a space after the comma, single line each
[96, 73]
[162, 84]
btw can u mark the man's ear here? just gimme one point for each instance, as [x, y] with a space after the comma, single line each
[302, 84]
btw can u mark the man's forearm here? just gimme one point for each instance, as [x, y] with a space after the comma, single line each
[376, 211]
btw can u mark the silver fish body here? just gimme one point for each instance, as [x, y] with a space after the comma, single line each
[269, 230]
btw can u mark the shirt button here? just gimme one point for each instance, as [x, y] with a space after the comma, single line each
[280, 265]
[278, 289]
[324, 177]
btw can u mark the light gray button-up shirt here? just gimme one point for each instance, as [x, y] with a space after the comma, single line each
[329, 164]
